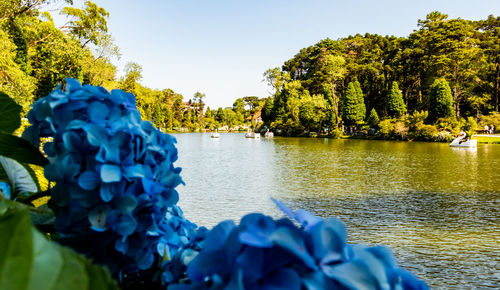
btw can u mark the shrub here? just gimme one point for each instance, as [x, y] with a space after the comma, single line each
[470, 127]
[386, 128]
[417, 118]
[401, 130]
[426, 133]
[450, 124]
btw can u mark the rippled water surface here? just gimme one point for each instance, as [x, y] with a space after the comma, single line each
[437, 207]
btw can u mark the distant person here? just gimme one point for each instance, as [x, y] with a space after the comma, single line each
[492, 129]
[486, 129]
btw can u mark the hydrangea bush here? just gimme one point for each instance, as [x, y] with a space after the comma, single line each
[115, 201]
[114, 175]
[262, 253]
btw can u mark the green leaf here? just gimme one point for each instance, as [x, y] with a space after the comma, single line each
[10, 112]
[16, 256]
[20, 178]
[20, 150]
[29, 261]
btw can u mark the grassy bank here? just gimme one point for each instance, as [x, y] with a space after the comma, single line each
[487, 139]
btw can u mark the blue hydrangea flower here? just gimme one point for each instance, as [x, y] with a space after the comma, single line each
[5, 190]
[262, 253]
[114, 174]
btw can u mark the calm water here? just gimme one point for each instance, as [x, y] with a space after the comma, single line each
[438, 208]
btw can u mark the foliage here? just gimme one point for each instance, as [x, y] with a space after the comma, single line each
[87, 25]
[13, 80]
[386, 128]
[394, 103]
[441, 100]
[470, 127]
[29, 261]
[424, 132]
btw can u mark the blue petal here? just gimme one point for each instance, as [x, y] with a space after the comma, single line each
[327, 240]
[318, 281]
[353, 275]
[285, 279]
[145, 261]
[410, 281]
[284, 209]
[72, 141]
[5, 189]
[293, 241]
[121, 246]
[111, 173]
[98, 112]
[57, 98]
[72, 85]
[126, 225]
[88, 180]
[134, 171]
[112, 153]
[96, 135]
[307, 219]
[105, 192]
[126, 203]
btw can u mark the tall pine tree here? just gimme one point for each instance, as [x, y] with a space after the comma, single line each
[354, 109]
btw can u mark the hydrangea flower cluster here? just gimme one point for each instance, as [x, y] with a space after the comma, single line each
[261, 253]
[114, 175]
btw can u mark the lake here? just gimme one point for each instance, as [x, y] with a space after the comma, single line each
[437, 207]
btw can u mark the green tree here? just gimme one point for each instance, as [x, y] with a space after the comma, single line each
[133, 74]
[394, 102]
[199, 105]
[87, 25]
[13, 80]
[312, 112]
[373, 119]
[267, 111]
[440, 101]
[354, 109]
[239, 106]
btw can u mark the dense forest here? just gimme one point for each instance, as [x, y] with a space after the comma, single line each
[442, 78]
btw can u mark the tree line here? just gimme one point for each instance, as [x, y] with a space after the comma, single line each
[36, 56]
[447, 70]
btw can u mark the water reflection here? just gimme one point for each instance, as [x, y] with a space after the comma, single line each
[437, 207]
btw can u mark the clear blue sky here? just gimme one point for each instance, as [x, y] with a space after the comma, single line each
[222, 47]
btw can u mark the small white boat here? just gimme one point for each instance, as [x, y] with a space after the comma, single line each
[462, 141]
[215, 134]
[251, 134]
[269, 134]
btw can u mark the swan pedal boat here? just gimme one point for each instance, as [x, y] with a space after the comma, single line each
[253, 135]
[460, 141]
[215, 134]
